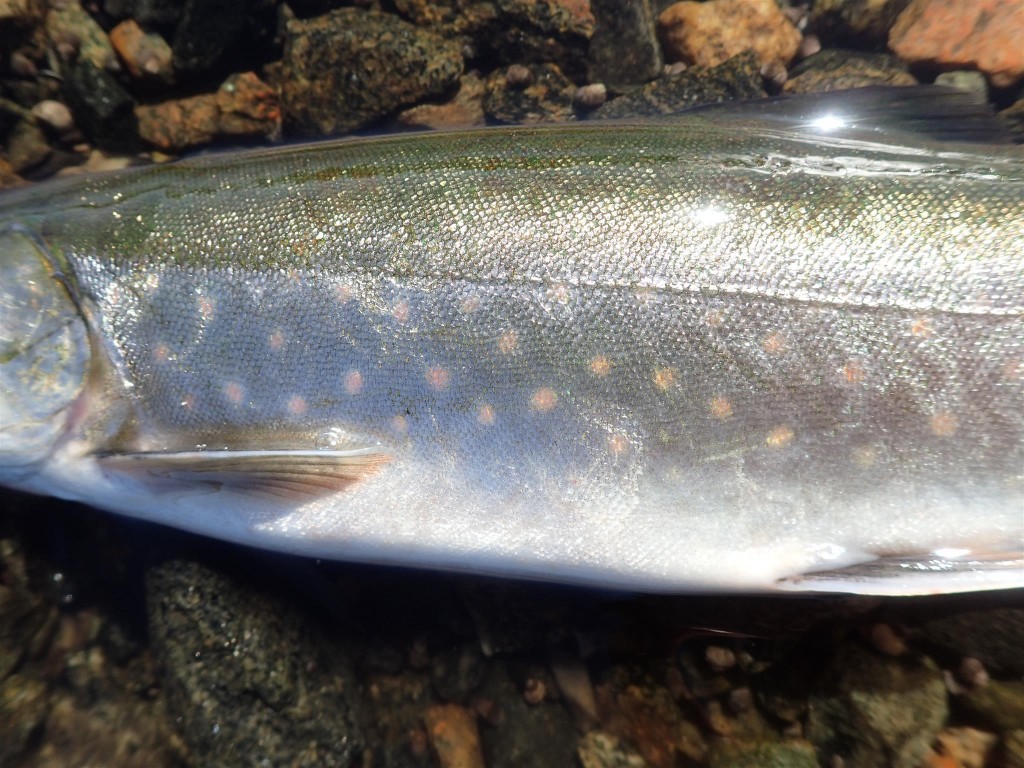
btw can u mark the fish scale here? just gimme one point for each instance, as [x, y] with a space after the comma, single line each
[664, 355]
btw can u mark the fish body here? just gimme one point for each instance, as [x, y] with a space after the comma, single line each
[673, 355]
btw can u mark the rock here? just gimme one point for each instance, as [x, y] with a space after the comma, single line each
[738, 78]
[222, 35]
[69, 21]
[546, 96]
[590, 97]
[8, 180]
[998, 706]
[1010, 753]
[349, 67]
[624, 50]
[994, 636]
[23, 700]
[54, 114]
[27, 147]
[524, 735]
[101, 107]
[249, 678]
[453, 735]
[243, 107]
[960, 748]
[710, 33]
[965, 80]
[863, 22]
[872, 710]
[773, 754]
[147, 56]
[602, 750]
[465, 108]
[1013, 118]
[835, 70]
[963, 34]
[456, 672]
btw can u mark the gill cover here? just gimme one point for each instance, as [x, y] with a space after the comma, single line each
[44, 353]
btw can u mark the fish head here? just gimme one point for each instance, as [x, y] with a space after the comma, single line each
[44, 354]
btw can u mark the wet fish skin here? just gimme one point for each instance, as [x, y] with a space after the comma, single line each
[670, 355]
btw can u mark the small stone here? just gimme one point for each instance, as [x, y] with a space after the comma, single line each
[590, 96]
[709, 33]
[22, 66]
[598, 749]
[960, 748]
[534, 691]
[72, 30]
[963, 34]
[965, 80]
[972, 673]
[809, 46]
[27, 147]
[55, 114]
[147, 56]
[673, 69]
[740, 700]
[453, 735]
[884, 638]
[518, 76]
[720, 658]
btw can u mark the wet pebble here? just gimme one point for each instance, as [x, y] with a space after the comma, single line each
[521, 94]
[146, 55]
[54, 114]
[453, 734]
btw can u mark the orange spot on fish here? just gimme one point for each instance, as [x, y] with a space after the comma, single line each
[400, 424]
[853, 372]
[234, 392]
[714, 318]
[161, 353]
[508, 341]
[600, 366]
[664, 378]
[471, 304]
[943, 424]
[780, 437]
[188, 402]
[721, 408]
[401, 311]
[774, 343]
[353, 382]
[865, 456]
[486, 415]
[922, 327]
[544, 399]
[618, 444]
[207, 307]
[276, 339]
[438, 378]
[343, 293]
[296, 405]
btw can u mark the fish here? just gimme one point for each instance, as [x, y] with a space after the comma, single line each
[746, 348]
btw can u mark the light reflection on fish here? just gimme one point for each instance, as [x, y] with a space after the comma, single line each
[691, 354]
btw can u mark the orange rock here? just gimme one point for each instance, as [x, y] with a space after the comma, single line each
[145, 55]
[987, 35]
[243, 106]
[709, 33]
[454, 736]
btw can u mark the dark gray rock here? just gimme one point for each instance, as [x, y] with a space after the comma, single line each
[349, 67]
[215, 36]
[837, 69]
[865, 23]
[161, 13]
[995, 637]
[103, 110]
[251, 681]
[737, 78]
[539, 93]
[624, 50]
[871, 710]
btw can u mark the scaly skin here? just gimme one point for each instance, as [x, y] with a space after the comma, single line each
[665, 355]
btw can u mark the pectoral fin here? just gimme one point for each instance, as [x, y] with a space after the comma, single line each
[288, 475]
